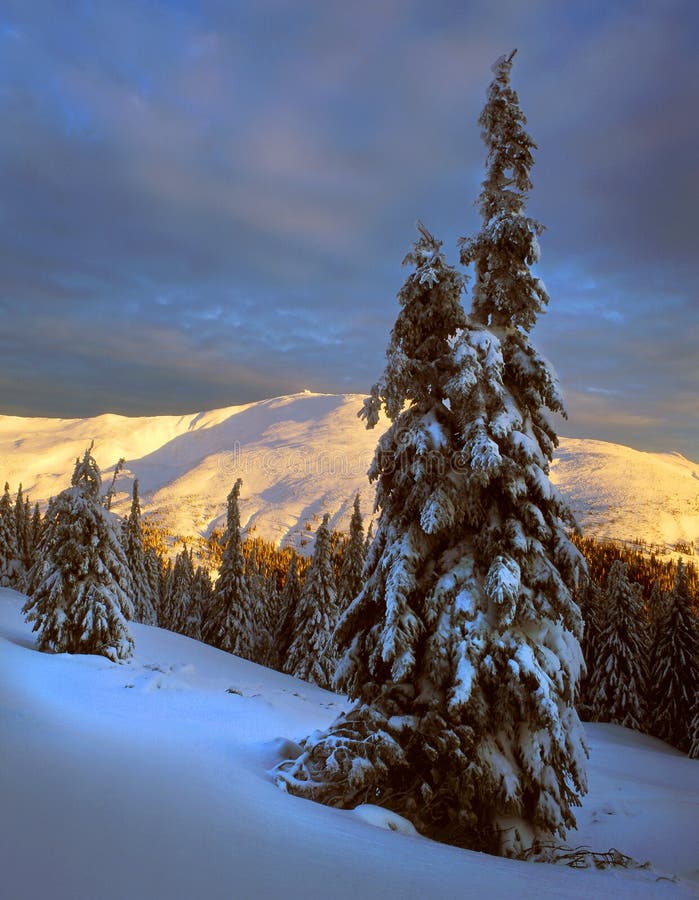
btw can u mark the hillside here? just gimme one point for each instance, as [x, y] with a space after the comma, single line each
[150, 780]
[305, 454]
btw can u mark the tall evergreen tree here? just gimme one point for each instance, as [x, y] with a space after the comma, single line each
[143, 599]
[81, 601]
[231, 621]
[350, 581]
[311, 653]
[461, 651]
[674, 667]
[618, 681]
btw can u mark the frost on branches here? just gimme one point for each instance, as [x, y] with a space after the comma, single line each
[461, 652]
[79, 601]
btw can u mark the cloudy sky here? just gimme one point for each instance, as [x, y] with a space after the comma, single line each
[208, 203]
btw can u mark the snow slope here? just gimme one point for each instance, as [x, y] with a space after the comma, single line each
[149, 781]
[305, 454]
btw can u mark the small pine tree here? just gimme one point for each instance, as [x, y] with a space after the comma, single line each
[81, 600]
[350, 582]
[231, 622]
[310, 655]
[674, 667]
[618, 680]
[132, 535]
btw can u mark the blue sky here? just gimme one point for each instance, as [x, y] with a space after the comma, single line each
[208, 203]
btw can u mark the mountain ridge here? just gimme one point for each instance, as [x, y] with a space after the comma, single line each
[303, 454]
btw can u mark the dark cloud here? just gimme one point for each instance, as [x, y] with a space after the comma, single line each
[208, 203]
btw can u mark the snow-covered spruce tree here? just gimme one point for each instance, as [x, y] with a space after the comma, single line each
[231, 624]
[618, 679]
[81, 601]
[350, 581]
[461, 652]
[311, 652]
[674, 667]
[132, 537]
[589, 599]
[10, 565]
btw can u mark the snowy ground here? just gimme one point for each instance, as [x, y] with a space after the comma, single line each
[306, 454]
[150, 780]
